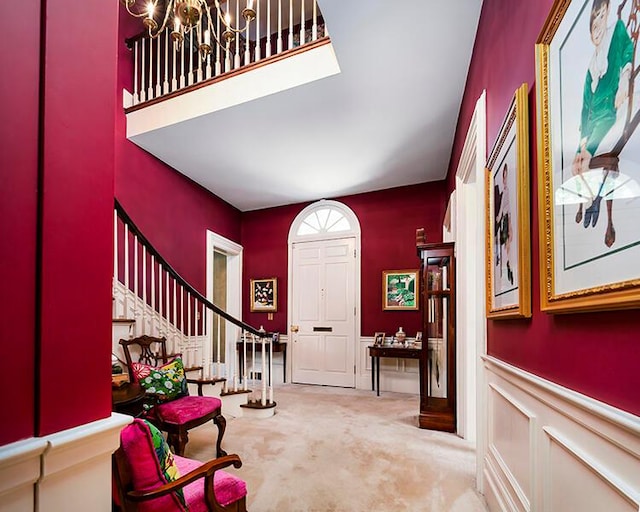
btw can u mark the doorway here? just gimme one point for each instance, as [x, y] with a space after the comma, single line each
[324, 294]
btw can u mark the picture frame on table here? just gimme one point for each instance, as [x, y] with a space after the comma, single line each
[264, 295]
[588, 153]
[508, 247]
[418, 336]
[400, 290]
[378, 339]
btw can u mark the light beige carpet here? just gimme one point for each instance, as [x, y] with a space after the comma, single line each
[332, 449]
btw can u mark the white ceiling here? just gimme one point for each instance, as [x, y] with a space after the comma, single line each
[386, 120]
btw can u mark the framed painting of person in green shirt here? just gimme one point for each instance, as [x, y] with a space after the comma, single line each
[589, 155]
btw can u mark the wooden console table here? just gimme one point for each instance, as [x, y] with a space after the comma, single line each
[376, 352]
[278, 346]
[127, 399]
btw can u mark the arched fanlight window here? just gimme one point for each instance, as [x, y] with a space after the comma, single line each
[324, 219]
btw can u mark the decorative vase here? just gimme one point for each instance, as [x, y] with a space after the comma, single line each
[401, 336]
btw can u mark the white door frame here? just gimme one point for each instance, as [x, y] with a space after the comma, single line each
[471, 325]
[293, 237]
[233, 251]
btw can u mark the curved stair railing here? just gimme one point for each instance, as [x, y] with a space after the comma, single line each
[159, 302]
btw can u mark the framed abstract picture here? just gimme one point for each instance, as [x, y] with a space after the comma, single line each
[588, 97]
[507, 224]
[264, 295]
[399, 290]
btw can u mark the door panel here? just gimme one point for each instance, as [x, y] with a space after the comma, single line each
[323, 305]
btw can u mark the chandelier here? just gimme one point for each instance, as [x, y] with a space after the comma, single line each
[184, 17]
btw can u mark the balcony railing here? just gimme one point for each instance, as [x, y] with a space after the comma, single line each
[161, 69]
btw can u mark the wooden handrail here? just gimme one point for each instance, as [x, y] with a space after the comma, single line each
[170, 270]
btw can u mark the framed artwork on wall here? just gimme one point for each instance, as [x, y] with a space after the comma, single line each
[264, 295]
[508, 246]
[399, 290]
[588, 96]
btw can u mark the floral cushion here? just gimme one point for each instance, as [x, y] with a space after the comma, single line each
[152, 464]
[166, 380]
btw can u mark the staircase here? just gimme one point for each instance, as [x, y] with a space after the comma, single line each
[150, 297]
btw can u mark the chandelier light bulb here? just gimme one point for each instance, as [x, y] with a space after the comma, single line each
[150, 9]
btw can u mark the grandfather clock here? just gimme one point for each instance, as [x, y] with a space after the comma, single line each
[438, 357]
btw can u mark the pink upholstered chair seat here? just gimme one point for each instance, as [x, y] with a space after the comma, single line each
[228, 488]
[185, 409]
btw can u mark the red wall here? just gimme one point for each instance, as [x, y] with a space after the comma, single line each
[172, 211]
[18, 214]
[388, 221]
[594, 353]
[77, 191]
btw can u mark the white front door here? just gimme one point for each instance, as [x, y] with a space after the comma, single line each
[323, 305]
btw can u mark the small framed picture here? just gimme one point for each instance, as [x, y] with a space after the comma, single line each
[378, 339]
[400, 290]
[264, 295]
[419, 336]
[276, 337]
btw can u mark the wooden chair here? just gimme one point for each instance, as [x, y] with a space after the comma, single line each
[142, 482]
[175, 417]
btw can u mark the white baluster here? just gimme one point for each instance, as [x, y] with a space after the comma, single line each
[174, 76]
[136, 273]
[181, 317]
[279, 40]
[236, 57]
[115, 259]
[191, 75]
[182, 64]
[165, 85]
[160, 303]
[154, 327]
[199, 35]
[218, 65]
[268, 36]
[143, 74]
[258, 49]
[290, 25]
[144, 288]
[126, 271]
[314, 30]
[271, 371]
[302, 34]
[136, 97]
[218, 348]
[227, 58]
[150, 88]
[244, 360]
[263, 394]
[175, 316]
[189, 318]
[158, 65]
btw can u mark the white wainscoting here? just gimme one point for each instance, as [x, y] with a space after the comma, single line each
[68, 470]
[551, 449]
[396, 375]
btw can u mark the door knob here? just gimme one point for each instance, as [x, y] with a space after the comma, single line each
[294, 328]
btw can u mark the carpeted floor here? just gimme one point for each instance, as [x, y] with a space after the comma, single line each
[332, 449]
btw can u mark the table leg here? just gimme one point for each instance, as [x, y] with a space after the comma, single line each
[378, 375]
[284, 364]
[373, 373]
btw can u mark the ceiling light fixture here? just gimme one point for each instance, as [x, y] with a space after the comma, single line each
[185, 16]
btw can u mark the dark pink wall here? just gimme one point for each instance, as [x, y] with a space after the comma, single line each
[594, 353]
[77, 219]
[172, 211]
[388, 243]
[18, 211]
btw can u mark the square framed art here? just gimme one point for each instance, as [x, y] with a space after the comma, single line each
[400, 290]
[264, 295]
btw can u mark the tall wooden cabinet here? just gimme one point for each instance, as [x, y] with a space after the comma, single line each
[438, 357]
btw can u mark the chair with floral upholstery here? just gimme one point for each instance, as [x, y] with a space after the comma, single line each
[163, 378]
[147, 477]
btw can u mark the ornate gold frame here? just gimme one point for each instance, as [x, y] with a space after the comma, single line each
[516, 115]
[619, 295]
[252, 297]
[416, 279]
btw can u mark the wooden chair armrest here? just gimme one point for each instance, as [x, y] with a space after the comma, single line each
[207, 471]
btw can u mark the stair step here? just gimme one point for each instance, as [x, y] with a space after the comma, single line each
[123, 320]
[257, 404]
[238, 392]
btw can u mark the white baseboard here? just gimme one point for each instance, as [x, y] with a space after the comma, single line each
[553, 449]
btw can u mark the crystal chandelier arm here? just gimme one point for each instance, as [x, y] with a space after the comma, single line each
[168, 10]
[213, 33]
[228, 25]
[128, 4]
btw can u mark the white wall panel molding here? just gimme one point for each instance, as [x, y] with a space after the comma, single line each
[19, 471]
[615, 493]
[553, 449]
[512, 445]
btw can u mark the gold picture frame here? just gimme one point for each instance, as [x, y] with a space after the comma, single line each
[400, 290]
[508, 248]
[588, 175]
[264, 295]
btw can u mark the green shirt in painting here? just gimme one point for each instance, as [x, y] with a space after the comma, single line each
[598, 106]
